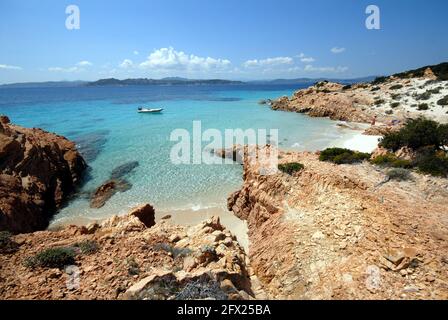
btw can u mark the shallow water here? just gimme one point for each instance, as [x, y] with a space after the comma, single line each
[111, 133]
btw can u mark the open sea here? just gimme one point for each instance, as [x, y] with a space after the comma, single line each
[109, 132]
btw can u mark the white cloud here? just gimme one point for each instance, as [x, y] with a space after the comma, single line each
[79, 67]
[8, 67]
[126, 64]
[170, 59]
[337, 50]
[339, 69]
[136, 52]
[84, 63]
[268, 62]
[305, 59]
[68, 70]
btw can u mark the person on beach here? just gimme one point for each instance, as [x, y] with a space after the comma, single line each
[373, 121]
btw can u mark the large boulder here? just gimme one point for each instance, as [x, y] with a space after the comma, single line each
[38, 171]
[106, 191]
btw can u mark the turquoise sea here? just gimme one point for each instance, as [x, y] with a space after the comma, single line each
[109, 131]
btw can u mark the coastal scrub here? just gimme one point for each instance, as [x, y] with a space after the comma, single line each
[343, 156]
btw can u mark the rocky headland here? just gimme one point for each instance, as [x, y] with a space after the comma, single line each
[38, 172]
[333, 231]
[421, 92]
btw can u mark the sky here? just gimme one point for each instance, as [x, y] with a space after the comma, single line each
[231, 39]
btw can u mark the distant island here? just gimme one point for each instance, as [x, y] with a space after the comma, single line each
[170, 81]
[158, 82]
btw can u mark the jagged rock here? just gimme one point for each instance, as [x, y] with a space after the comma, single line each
[106, 191]
[309, 230]
[125, 244]
[38, 171]
[145, 214]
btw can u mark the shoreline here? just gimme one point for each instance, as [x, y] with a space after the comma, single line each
[183, 217]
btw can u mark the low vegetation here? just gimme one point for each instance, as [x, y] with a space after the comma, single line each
[290, 168]
[379, 101]
[427, 138]
[433, 163]
[423, 107]
[88, 247]
[395, 105]
[443, 101]
[423, 96]
[391, 160]
[399, 174]
[175, 252]
[52, 258]
[133, 267]
[417, 133]
[396, 87]
[343, 156]
[200, 289]
[440, 71]
[7, 245]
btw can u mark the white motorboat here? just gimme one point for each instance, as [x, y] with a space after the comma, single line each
[145, 110]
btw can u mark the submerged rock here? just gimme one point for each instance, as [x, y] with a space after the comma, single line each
[38, 171]
[124, 169]
[90, 145]
[106, 191]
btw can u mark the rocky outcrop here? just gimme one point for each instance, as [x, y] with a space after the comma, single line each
[340, 232]
[392, 100]
[106, 191]
[132, 261]
[38, 171]
[116, 183]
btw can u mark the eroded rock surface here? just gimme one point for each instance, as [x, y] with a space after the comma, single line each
[336, 232]
[38, 171]
[133, 261]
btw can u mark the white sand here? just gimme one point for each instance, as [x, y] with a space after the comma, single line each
[362, 143]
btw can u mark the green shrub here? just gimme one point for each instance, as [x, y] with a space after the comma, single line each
[347, 87]
[133, 268]
[424, 96]
[290, 168]
[396, 87]
[88, 247]
[379, 101]
[440, 70]
[443, 101]
[175, 252]
[423, 106]
[417, 133]
[391, 160]
[394, 104]
[379, 80]
[342, 156]
[395, 96]
[52, 258]
[443, 135]
[7, 245]
[200, 289]
[435, 90]
[375, 89]
[432, 163]
[389, 112]
[399, 174]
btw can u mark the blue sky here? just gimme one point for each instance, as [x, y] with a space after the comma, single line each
[233, 39]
